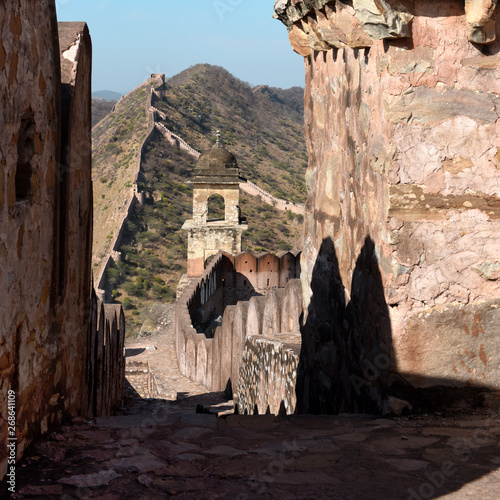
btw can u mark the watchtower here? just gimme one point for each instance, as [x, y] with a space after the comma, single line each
[216, 176]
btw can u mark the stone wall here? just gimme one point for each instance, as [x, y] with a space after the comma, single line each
[46, 311]
[248, 187]
[266, 197]
[267, 381]
[210, 349]
[105, 370]
[135, 196]
[400, 265]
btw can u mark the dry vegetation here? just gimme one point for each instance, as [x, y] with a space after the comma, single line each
[100, 109]
[262, 126]
[115, 146]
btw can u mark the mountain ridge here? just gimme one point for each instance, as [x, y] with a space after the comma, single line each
[149, 248]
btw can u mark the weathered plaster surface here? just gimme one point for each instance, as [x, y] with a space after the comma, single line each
[403, 128]
[51, 341]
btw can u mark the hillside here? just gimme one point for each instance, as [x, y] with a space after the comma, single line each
[100, 109]
[106, 95]
[153, 247]
[262, 126]
[116, 142]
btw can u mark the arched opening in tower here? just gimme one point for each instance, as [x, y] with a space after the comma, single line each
[216, 208]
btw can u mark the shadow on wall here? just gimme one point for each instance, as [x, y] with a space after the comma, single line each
[347, 363]
[339, 340]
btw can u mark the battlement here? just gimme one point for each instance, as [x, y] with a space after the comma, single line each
[254, 295]
[61, 353]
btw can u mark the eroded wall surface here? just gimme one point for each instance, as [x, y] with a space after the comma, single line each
[29, 158]
[401, 254]
[53, 356]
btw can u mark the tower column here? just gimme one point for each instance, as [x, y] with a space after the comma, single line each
[216, 173]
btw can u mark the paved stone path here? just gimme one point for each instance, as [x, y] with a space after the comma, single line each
[159, 350]
[154, 449]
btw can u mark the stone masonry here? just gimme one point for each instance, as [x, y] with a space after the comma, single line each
[211, 350]
[217, 174]
[400, 265]
[53, 361]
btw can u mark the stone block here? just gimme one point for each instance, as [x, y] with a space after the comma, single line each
[291, 309]
[226, 345]
[271, 320]
[255, 315]
[239, 335]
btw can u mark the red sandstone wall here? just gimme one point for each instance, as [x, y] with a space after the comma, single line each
[401, 246]
[49, 332]
[216, 362]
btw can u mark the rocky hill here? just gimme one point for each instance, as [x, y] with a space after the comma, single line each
[100, 109]
[262, 126]
[116, 144]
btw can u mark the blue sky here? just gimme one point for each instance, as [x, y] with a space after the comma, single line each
[133, 38]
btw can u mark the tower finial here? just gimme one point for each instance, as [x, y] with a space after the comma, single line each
[217, 143]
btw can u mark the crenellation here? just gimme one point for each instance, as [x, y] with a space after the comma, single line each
[49, 316]
[244, 312]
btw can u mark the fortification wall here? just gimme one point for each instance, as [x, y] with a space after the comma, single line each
[216, 361]
[174, 139]
[278, 203]
[267, 380]
[47, 318]
[248, 187]
[134, 197]
[105, 370]
[400, 262]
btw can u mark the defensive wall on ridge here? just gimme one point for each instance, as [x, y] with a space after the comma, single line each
[134, 196]
[249, 187]
[157, 81]
[242, 303]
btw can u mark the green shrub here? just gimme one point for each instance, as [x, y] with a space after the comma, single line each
[127, 304]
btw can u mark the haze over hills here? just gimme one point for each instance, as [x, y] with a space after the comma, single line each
[106, 95]
[262, 126]
[102, 103]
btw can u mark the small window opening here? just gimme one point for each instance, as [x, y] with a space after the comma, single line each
[268, 282]
[25, 152]
[244, 282]
[216, 209]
